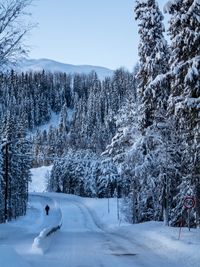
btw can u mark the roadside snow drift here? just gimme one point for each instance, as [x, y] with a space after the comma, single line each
[51, 224]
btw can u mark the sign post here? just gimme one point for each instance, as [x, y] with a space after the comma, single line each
[189, 203]
[180, 227]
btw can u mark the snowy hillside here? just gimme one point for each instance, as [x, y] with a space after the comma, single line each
[54, 66]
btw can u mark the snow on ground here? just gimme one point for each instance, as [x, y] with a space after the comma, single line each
[38, 178]
[53, 122]
[70, 115]
[92, 234]
[50, 223]
[153, 235]
[9, 258]
[105, 212]
[27, 235]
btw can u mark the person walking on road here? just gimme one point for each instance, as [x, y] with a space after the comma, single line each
[47, 208]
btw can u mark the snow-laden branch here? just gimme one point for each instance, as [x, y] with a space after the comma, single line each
[12, 29]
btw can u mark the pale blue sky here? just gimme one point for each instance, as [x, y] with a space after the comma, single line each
[93, 32]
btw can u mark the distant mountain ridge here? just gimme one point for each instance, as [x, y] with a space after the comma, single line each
[55, 66]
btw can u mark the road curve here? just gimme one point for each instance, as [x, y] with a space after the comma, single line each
[81, 242]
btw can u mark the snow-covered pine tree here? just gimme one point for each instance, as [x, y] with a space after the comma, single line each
[55, 184]
[153, 92]
[185, 90]
[9, 190]
[118, 151]
[23, 175]
[63, 123]
[108, 179]
[153, 60]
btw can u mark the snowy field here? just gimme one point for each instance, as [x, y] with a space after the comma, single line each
[91, 235]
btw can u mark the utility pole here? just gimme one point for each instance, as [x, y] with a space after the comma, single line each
[108, 202]
[6, 182]
[198, 204]
[117, 202]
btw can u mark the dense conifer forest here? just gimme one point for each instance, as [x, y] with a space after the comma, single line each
[133, 135]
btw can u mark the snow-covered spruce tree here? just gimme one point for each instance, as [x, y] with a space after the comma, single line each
[153, 60]
[9, 189]
[63, 123]
[185, 92]
[153, 92]
[118, 151]
[108, 180]
[22, 173]
[125, 151]
[55, 183]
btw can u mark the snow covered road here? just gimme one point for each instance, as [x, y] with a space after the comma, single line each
[82, 241]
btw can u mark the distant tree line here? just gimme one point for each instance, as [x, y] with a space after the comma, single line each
[84, 173]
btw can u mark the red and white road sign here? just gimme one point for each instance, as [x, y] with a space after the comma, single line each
[189, 202]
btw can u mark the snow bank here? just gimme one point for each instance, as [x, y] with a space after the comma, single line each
[10, 258]
[105, 212]
[53, 222]
[42, 242]
[152, 236]
[165, 241]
